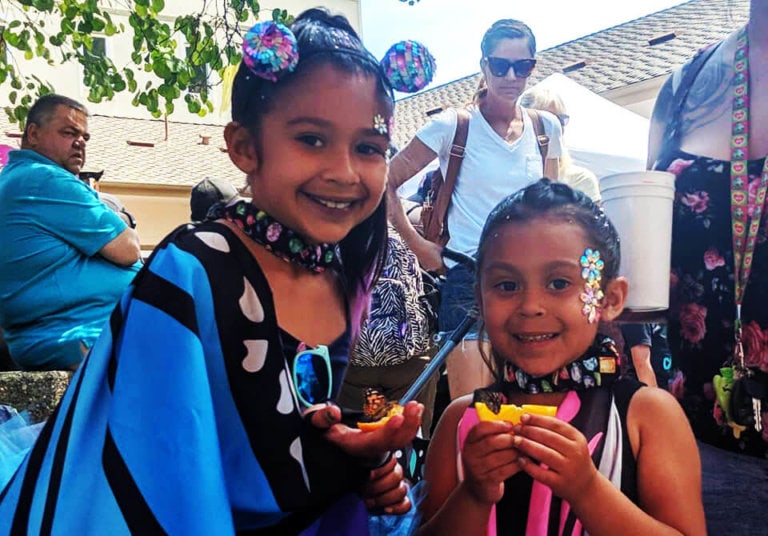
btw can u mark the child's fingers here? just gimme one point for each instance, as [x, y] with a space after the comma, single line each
[529, 438]
[323, 416]
[495, 467]
[531, 449]
[550, 423]
[397, 433]
[397, 507]
[559, 437]
[385, 478]
[401, 429]
[389, 498]
[490, 436]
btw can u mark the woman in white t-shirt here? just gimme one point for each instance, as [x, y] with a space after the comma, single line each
[501, 156]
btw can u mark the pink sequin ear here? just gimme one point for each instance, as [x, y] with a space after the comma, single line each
[270, 50]
[408, 66]
[592, 272]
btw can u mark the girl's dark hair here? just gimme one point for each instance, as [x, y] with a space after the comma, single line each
[507, 29]
[327, 39]
[545, 199]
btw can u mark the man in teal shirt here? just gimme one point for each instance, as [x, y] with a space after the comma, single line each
[66, 257]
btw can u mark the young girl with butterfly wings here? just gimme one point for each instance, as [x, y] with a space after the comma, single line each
[202, 410]
[619, 457]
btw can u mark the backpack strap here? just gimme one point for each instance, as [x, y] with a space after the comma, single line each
[454, 164]
[541, 135]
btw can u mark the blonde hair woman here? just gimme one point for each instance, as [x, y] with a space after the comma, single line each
[577, 177]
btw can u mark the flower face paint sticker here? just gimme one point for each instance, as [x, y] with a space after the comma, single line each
[592, 273]
[380, 125]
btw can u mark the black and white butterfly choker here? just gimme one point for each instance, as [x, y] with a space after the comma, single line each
[598, 366]
[282, 241]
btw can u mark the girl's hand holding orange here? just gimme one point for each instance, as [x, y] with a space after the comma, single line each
[555, 454]
[489, 457]
[397, 433]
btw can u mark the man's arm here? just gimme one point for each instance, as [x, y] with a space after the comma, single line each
[124, 249]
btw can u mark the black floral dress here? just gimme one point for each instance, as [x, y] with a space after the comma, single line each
[702, 291]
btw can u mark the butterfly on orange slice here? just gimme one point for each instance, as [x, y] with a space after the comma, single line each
[377, 411]
[512, 413]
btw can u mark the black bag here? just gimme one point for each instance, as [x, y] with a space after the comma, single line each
[746, 389]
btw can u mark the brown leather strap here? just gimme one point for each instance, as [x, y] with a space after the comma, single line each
[454, 164]
[541, 137]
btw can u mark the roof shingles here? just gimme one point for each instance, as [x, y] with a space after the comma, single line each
[615, 58]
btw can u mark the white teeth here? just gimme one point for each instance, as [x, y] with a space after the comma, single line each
[333, 204]
[535, 338]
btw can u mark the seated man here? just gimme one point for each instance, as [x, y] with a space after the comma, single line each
[66, 257]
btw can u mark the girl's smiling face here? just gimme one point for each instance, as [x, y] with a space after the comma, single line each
[529, 294]
[319, 162]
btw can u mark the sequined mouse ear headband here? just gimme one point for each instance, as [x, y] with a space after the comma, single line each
[270, 51]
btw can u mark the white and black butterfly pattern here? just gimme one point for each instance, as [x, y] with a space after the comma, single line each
[397, 327]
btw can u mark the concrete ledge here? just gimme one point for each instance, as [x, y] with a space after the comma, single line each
[36, 392]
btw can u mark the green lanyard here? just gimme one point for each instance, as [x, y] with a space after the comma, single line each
[744, 228]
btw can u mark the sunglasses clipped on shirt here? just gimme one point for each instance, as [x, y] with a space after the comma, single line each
[312, 375]
[500, 66]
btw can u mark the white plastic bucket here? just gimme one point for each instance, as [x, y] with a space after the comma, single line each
[639, 203]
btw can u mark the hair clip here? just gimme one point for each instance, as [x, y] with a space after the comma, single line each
[592, 272]
[408, 66]
[270, 50]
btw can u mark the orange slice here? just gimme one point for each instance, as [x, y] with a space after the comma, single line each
[396, 409]
[512, 413]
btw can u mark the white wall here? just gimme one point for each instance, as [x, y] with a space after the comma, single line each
[67, 78]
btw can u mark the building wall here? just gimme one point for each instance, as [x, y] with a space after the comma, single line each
[158, 209]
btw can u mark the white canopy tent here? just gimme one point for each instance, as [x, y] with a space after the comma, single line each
[601, 135]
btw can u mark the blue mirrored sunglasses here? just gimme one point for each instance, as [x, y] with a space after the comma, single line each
[501, 66]
[312, 375]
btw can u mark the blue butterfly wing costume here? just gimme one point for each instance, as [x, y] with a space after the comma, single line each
[183, 419]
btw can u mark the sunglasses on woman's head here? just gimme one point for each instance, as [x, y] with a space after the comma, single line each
[312, 375]
[500, 66]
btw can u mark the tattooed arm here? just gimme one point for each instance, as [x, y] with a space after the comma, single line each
[704, 121]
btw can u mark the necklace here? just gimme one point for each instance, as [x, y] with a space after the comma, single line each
[281, 241]
[596, 368]
[744, 228]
